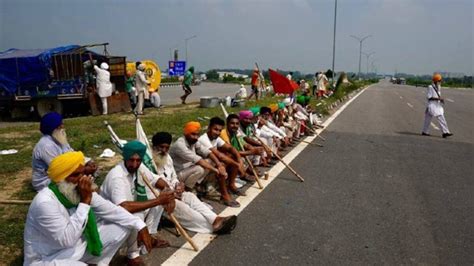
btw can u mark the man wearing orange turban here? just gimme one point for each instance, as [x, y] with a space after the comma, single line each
[54, 229]
[434, 108]
[190, 164]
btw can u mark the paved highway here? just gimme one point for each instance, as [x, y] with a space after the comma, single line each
[377, 193]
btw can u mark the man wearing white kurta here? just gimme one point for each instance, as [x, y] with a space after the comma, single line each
[193, 214]
[434, 108]
[141, 85]
[124, 186]
[104, 86]
[69, 224]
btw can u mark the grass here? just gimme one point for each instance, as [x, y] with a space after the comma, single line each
[89, 135]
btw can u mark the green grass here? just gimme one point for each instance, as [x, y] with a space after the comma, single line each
[88, 134]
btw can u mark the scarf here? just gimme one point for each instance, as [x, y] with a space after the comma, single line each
[140, 190]
[91, 234]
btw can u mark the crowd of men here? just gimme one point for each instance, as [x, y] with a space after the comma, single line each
[72, 220]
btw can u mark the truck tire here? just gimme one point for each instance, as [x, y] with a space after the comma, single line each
[44, 106]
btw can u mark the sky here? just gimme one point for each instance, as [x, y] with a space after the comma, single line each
[409, 36]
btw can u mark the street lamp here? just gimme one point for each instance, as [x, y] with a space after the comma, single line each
[186, 45]
[360, 47]
[368, 55]
[334, 44]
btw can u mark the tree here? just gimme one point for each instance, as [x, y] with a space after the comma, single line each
[212, 75]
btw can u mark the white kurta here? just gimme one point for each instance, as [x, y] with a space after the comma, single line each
[119, 186]
[104, 86]
[435, 108]
[322, 80]
[192, 213]
[54, 234]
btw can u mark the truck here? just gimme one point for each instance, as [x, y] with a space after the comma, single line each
[60, 79]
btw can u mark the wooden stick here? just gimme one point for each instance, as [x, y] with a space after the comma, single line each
[251, 165]
[316, 144]
[15, 202]
[280, 159]
[171, 215]
[312, 130]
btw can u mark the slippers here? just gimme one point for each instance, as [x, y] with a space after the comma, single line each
[238, 192]
[249, 178]
[231, 203]
[160, 243]
[228, 225]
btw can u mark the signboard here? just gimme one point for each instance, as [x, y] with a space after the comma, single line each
[176, 68]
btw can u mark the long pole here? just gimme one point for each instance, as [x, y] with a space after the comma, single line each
[171, 215]
[368, 55]
[334, 44]
[186, 46]
[360, 48]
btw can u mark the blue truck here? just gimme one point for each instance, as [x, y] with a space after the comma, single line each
[61, 79]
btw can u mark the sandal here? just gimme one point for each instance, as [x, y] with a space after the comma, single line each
[160, 243]
[231, 203]
[238, 192]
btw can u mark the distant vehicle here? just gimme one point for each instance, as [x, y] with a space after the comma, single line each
[401, 81]
[59, 79]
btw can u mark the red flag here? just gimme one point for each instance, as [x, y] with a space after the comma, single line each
[281, 84]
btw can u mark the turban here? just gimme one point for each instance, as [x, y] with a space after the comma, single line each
[133, 147]
[192, 127]
[64, 165]
[245, 114]
[49, 122]
[300, 99]
[104, 66]
[141, 67]
[281, 105]
[287, 101]
[273, 107]
[160, 138]
[265, 109]
[255, 110]
[437, 77]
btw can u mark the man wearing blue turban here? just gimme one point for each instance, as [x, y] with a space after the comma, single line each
[124, 186]
[53, 143]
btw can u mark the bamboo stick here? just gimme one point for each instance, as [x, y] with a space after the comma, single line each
[280, 159]
[171, 215]
[15, 202]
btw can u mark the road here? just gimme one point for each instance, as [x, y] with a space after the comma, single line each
[377, 193]
[170, 95]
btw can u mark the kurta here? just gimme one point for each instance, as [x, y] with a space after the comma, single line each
[54, 233]
[435, 107]
[44, 152]
[104, 86]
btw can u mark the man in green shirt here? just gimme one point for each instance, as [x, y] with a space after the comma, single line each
[188, 79]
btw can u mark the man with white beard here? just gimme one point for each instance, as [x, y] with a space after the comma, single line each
[52, 143]
[192, 213]
[69, 224]
[125, 187]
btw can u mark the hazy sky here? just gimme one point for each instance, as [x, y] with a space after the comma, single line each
[413, 36]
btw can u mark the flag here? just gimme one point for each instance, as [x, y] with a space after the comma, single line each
[148, 158]
[281, 84]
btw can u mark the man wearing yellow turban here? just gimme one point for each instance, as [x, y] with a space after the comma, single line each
[55, 231]
[124, 186]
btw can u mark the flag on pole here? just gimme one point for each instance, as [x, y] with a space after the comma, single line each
[148, 158]
[281, 84]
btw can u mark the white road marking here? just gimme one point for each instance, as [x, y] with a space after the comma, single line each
[409, 104]
[185, 254]
[434, 126]
[449, 100]
[401, 97]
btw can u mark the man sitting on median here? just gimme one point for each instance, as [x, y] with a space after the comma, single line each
[192, 168]
[61, 224]
[124, 186]
[211, 142]
[53, 143]
[192, 213]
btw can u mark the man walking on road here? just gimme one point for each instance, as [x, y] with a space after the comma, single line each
[188, 79]
[435, 107]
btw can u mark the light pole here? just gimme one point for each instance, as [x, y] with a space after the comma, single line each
[360, 48]
[334, 44]
[368, 55]
[186, 46]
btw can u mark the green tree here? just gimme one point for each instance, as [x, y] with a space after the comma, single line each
[212, 75]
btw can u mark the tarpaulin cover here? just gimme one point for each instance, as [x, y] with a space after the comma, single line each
[20, 67]
[281, 84]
